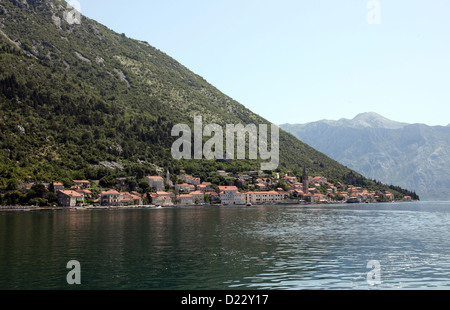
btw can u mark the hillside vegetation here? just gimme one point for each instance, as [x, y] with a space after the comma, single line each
[84, 102]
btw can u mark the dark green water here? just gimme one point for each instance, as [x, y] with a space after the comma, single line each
[274, 247]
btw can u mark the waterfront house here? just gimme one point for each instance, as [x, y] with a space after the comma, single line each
[198, 196]
[389, 195]
[110, 198]
[308, 197]
[185, 199]
[137, 198]
[342, 195]
[126, 198]
[133, 198]
[170, 194]
[263, 197]
[229, 195]
[68, 198]
[283, 193]
[319, 198]
[161, 199]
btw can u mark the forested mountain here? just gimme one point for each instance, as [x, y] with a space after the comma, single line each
[80, 101]
[415, 156]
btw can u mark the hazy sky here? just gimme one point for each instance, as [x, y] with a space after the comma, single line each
[295, 61]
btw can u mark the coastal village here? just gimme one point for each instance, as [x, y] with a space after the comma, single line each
[190, 190]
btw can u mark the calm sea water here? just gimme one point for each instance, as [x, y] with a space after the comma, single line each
[218, 248]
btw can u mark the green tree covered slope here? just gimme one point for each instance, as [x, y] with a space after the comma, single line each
[77, 98]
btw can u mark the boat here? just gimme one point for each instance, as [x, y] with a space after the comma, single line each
[248, 204]
[353, 200]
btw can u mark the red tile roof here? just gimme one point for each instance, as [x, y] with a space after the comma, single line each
[84, 191]
[162, 193]
[227, 188]
[71, 193]
[110, 192]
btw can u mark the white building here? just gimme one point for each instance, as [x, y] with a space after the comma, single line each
[264, 197]
[229, 195]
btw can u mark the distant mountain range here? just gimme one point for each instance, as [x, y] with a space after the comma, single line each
[414, 156]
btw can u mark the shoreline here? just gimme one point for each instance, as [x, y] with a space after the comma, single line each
[86, 208]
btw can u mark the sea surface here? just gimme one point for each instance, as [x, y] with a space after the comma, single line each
[347, 246]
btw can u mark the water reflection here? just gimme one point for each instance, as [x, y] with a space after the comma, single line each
[288, 247]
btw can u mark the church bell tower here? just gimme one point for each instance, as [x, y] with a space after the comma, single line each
[305, 181]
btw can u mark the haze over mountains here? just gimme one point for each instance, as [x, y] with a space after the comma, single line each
[415, 156]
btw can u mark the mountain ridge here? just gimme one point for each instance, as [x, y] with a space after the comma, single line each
[410, 155]
[366, 119]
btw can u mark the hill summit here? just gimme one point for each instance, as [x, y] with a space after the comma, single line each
[375, 120]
